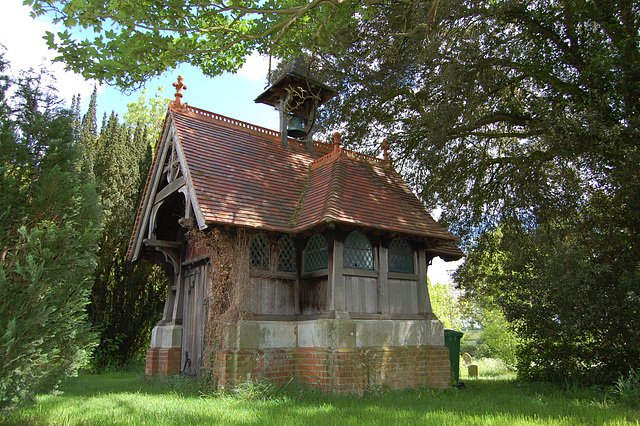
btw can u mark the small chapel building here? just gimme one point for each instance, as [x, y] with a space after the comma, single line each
[322, 253]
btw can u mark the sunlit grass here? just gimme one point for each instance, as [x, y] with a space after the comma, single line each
[130, 399]
[488, 368]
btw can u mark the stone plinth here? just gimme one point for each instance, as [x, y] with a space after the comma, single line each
[163, 357]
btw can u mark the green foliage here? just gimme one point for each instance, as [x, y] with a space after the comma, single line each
[575, 306]
[44, 287]
[148, 113]
[520, 118]
[627, 389]
[126, 298]
[130, 43]
[498, 339]
[50, 221]
[455, 312]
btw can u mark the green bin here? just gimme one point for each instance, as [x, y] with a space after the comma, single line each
[452, 341]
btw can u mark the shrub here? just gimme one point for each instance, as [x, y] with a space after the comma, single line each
[627, 389]
[43, 294]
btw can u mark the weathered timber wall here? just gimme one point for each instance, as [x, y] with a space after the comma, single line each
[313, 295]
[271, 296]
[403, 296]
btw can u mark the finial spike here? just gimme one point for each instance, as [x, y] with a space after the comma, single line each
[180, 86]
[385, 149]
[336, 141]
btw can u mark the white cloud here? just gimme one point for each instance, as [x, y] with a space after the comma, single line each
[256, 67]
[22, 35]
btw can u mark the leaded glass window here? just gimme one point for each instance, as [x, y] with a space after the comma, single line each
[400, 256]
[286, 254]
[357, 251]
[259, 252]
[316, 254]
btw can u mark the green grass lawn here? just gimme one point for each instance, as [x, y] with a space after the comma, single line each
[128, 398]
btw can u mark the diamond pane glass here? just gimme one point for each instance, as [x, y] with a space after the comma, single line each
[286, 254]
[259, 252]
[316, 254]
[358, 252]
[400, 256]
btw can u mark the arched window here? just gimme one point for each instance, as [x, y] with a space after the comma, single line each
[286, 254]
[358, 252]
[259, 252]
[400, 256]
[316, 254]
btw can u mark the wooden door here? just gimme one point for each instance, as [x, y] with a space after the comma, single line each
[194, 318]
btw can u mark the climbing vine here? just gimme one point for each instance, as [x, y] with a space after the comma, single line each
[227, 290]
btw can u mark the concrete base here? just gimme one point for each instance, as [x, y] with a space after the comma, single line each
[341, 355]
[335, 333]
[166, 336]
[163, 357]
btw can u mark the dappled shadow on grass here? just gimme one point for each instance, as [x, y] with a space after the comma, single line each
[131, 399]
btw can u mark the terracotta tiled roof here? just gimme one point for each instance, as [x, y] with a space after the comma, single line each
[242, 175]
[355, 190]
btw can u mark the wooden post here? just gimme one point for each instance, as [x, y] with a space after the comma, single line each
[167, 314]
[296, 284]
[424, 303]
[383, 279]
[336, 301]
[177, 307]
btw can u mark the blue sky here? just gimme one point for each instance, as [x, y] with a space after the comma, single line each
[231, 95]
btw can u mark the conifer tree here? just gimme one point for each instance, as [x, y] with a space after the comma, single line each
[126, 299]
[88, 132]
[49, 226]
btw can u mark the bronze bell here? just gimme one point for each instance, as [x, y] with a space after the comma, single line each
[296, 127]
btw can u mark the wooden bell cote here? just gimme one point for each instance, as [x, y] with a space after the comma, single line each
[296, 94]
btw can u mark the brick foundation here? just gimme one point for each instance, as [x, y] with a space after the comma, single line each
[162, 361]
[343, 370]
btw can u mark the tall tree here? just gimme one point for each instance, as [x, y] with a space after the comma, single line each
[519, 117]
[148, 113]
[49, 226]
[126, 299]
[88, 132]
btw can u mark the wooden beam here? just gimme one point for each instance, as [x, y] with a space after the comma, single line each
[169, 189]
[162, 243]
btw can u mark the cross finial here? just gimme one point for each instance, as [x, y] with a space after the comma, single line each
[385, 150]
[336, 141]
[179, 87]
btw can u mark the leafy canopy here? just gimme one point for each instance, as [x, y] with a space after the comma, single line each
[125, 42]
[520, 119]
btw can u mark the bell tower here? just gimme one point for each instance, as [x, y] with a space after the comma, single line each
[296, 94]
